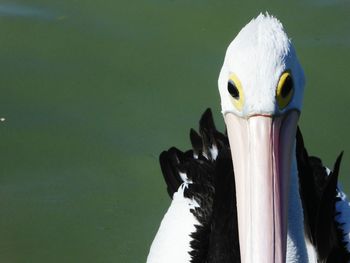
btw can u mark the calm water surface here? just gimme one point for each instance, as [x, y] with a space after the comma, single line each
[92, 93]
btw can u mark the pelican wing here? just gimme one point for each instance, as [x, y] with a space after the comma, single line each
[324, 206]
[202, 177]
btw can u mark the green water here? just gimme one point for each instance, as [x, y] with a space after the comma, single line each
[92, 92]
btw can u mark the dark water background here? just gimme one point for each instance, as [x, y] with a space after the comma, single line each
[93, 91]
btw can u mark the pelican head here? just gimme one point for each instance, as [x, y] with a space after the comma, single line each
[261, 86]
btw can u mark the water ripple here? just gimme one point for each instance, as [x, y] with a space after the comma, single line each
[14, 10]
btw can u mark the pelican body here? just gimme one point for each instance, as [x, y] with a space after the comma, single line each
[253, 194]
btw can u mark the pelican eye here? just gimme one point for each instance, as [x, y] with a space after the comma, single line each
[234, 87]
[285, 90]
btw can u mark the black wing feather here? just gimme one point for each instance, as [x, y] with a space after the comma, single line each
[318, 192]
[216, 238]
[168, 162]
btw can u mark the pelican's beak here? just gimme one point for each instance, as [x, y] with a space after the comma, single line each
[261, 148]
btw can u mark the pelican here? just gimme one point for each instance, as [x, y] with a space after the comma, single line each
[253, 194]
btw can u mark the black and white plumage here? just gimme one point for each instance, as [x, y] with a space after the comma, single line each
[208, 167]
[253, 194]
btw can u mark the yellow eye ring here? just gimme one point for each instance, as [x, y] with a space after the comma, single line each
[234, 87]
[285, 90]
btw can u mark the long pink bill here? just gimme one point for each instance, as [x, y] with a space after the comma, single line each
[261, 148]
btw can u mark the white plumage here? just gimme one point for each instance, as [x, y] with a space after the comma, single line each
[172, 242]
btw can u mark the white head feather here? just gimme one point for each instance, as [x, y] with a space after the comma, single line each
[258, 56]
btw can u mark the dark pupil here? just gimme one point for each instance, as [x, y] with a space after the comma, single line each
[287, 87]
[232, 89]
